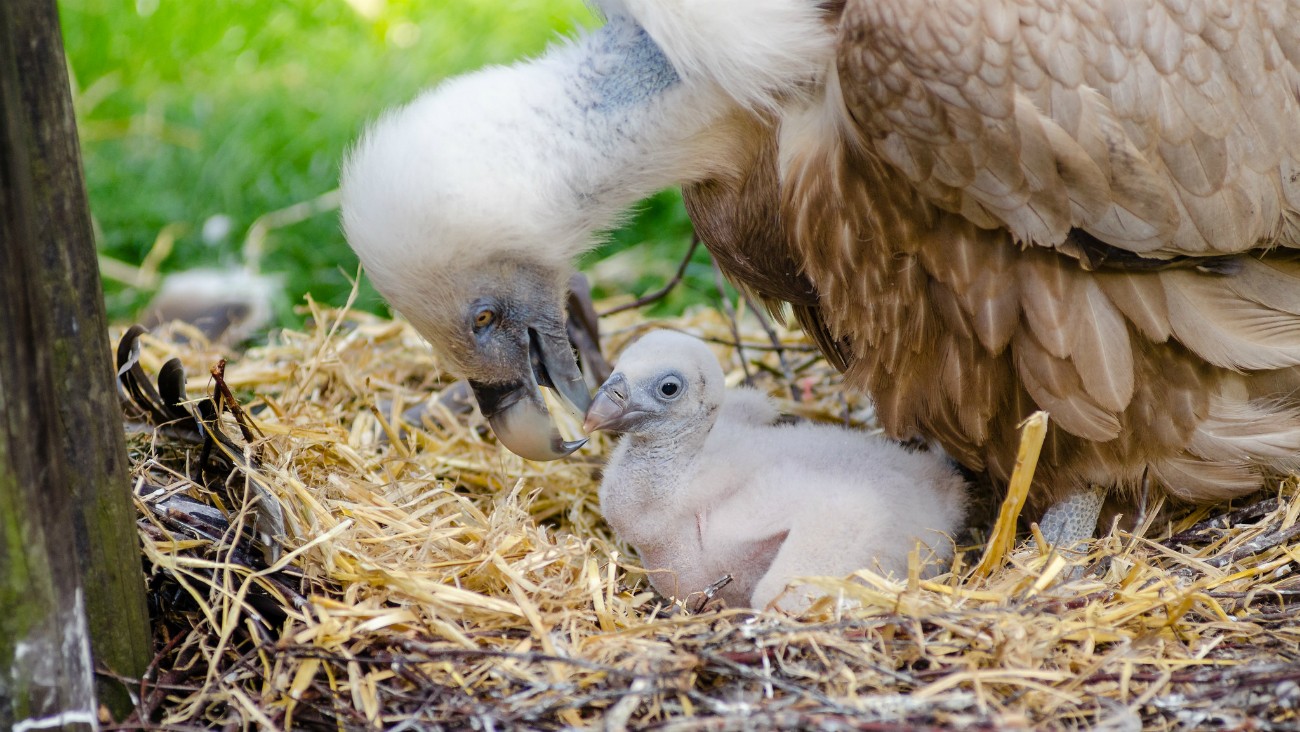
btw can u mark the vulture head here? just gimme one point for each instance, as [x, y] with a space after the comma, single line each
[666, 383]
[468, 206]
[473, 249]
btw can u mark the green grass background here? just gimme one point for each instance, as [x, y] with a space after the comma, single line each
[190, 110]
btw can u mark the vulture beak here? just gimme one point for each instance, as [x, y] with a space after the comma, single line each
[610, 409]
[515, 408]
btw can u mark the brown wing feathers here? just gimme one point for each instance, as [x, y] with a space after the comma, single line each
[938, 237]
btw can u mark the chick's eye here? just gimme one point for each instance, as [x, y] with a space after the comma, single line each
[670, 388]
[484, 318]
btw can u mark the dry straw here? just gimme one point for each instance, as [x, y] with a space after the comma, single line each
[431, 579]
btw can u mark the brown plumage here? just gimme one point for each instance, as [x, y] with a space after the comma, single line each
[978, 208]
[953, 183]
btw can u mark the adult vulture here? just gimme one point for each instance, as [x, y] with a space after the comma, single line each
[978, 208]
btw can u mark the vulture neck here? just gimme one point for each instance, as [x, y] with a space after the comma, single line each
[677, 448]
[628, 125]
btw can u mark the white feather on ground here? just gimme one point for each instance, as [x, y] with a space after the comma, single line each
[705, 483]
[226, 305]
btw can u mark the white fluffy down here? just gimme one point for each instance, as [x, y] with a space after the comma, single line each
[766, 503]
[457, 173]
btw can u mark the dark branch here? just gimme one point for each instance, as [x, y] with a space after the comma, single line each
[730, 310]
[663, 292]
[776, 346]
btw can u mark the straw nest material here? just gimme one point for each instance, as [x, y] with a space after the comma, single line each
[429, 579]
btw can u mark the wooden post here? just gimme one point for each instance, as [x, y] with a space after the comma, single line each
[70, 568]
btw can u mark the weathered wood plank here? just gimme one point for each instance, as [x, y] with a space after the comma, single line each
[66, 515]
[45, 667]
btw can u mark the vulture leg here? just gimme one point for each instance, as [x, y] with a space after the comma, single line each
[1074, 518]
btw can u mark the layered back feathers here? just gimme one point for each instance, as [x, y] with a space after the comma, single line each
[1003, 207]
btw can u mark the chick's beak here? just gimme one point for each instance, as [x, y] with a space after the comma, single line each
[515, 409]
[609, 410]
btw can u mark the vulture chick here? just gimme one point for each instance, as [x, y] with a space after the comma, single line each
[705, 484]
[978, 209]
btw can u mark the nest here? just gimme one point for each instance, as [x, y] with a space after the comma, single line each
[429, 579]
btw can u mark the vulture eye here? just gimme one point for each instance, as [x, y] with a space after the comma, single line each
[670, 387]
[484, 318]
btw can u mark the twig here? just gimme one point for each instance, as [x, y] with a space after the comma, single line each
[1275, 593]
[776, 346]
[733, 722]
[1233, 518]
[730, 310]
[1255, 546]
[617, 717]
[662, 292]
[697, 601]
[765, 347]
[429, 652]
[227, 400]
[1212, 683]
[722, 663]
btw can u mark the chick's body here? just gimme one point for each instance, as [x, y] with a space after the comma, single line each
[706, 483]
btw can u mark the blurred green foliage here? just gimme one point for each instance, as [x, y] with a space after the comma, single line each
[207, 115]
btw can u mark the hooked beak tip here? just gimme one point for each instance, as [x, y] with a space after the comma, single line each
[606, 411]
[516, 410]
[521, 422]
[530, 434]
